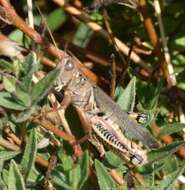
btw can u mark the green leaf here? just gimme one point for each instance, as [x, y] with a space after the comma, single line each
[104, 179]
[96, 16]
[112, 159]
[67, 162]
[16, 68]
[60, 179]
[149, 98]
[150, 168]
[6, 65]
[18, 93]
[41, 88]
[22, 96]
[118, 92]
[126, 98]
[9, 83]
[28, 159]
[29, 67]
[25, 115]
[16, 35]
[181, 74]
[114, 162]
[34, 175]
[165, 151]
[15, 179]
[171, 164]
[178, 59]
[74, 177]
[169, 180]
[169, 129]
[56, 18]
[76, 174]
[2, 183]
[82, 35]
[6, 155]
[4, 174]
[179, 43]
[84, 166]
[155, 97]
[7, 101]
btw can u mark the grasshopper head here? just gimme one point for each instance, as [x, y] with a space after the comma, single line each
[68, 71]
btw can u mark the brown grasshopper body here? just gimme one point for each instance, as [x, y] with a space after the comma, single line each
[110, 126]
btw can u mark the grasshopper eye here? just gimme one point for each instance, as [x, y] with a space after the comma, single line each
[69, 65]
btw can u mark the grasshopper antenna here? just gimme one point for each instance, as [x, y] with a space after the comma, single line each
[49, 31]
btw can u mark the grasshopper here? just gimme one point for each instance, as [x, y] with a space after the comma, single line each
[109, 125]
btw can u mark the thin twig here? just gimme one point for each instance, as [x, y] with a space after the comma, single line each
[112, 39]
[47, 125]
[40, 160]
[30, 13]
[9, 132]
[31, 24]
[119, 179]
[8, 145]
[164, 43]
[149, 26]
[113, 79]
